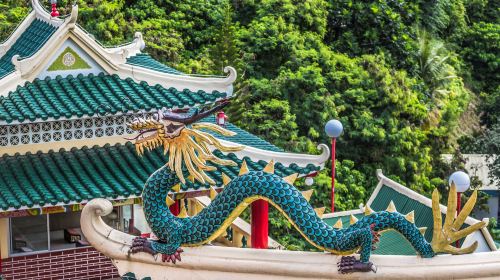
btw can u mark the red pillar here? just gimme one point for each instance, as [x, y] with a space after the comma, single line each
[334, 141]
[260, 224]
[176, 207]
[459, 207]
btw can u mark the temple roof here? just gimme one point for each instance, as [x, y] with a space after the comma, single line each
[146, 61]
[405, 200]
[29, 53]
[93, 94]
[38, 85]
[111, 171]
[30, 41]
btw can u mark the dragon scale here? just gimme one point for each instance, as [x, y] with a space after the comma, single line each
[212, 220]
[189, 151]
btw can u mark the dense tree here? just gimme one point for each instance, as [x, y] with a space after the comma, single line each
[399, 90]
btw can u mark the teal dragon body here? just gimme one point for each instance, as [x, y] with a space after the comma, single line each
[174, 232]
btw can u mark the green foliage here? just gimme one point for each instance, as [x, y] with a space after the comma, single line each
[493, 229]
[360, 27]
[12, 12]
[481, 51]
[396, 73]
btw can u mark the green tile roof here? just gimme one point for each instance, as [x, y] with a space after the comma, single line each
[146, 61]
[90, 95]
[391, 242]
[242, 137]
[33, 38]
[81, 174]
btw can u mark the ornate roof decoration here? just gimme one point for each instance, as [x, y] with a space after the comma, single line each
[126, 60]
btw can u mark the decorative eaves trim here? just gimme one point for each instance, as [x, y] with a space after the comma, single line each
[26, 67]
[384, 181]
[85, 201]
[113, 61]
[302, 160]
[116, 62]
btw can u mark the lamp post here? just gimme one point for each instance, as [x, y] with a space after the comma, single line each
[462, 183]
[333, 129]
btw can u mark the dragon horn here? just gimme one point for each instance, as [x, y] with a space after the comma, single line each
[368, 210]
[197, 116]
[320, 211]
[169, 201]
[225, 179]
[213, 193]
[410, 217]
[183, 213]
[290, 179]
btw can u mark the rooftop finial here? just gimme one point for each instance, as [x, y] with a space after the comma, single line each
[54, 12]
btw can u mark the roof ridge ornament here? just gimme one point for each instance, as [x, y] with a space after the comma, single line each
[232, 75]
[43, 14]
[54, 12]
[74, 16]
[139, 38]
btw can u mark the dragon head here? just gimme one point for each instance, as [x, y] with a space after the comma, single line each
[185, 145]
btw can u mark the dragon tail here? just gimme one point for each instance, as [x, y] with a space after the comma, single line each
[280, 192]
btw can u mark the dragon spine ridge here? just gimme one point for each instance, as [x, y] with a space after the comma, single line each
[174, 232]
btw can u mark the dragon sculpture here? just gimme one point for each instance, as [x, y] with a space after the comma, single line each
[189, 152]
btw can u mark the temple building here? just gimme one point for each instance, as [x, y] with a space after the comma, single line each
[406, 200]
[65, 100]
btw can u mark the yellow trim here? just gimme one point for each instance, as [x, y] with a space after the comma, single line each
[241, 207]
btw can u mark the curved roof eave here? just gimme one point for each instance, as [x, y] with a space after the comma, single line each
[113, 60]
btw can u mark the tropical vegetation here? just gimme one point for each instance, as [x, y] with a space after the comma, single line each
[402, 76]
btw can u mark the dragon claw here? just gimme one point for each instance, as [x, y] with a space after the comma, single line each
[172, 257]
[141, 244]
[446, 233]
[349, 264]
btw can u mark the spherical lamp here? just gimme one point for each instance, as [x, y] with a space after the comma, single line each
[461, 180]
[333, 128]
[309, 181]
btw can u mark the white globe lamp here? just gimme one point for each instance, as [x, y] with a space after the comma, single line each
[333, 128]
[461, 180]
[309, 181]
